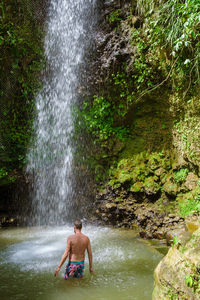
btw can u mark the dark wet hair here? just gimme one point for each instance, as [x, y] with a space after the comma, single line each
[78, 224]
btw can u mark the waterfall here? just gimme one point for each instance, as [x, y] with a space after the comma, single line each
[69, 34]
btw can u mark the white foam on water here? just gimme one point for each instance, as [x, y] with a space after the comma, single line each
[42, 248]
[123, 264]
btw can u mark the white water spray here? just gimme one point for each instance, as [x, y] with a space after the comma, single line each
[69, 35]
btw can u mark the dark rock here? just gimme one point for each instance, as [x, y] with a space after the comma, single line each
[143, 234]
[8, 222]
[159, 235]
[151, 187]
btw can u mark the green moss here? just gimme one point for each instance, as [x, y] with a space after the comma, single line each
[114, 16]
[123, 176]
[181, 175]
[189, 202]
[137, 187]
[144, 172]
[139, 173]
[151, 185]
[170, 188]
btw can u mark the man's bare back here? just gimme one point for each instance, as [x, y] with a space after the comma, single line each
[76, 246]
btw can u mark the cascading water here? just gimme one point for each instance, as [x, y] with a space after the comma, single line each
[69, 35]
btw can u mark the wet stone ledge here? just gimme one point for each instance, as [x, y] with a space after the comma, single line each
[128, 213]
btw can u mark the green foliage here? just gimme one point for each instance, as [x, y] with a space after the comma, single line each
[124, 83]
[193, 281]
[172, 29]
[190, 203]
[21, 61]
[98, 118]
[114, 16]
[181, 175]
[146, 65]
[175, 241]
[189, 280]
[3, 172]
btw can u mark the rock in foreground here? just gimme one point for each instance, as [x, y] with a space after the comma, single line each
[178, 274]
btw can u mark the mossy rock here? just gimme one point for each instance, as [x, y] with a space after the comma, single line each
[124, 177]
[159, 160]
[123, 172]
[171, 189]
[154, 162]
[126, 164]
[137, 187]
[165, 162]
[114, 183]
[151, 187]
[163, 178]
[160, 172]
[139, 173]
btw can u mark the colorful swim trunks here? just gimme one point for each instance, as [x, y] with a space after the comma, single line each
[74, 269]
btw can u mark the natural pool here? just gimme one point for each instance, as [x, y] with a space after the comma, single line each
[123, 263]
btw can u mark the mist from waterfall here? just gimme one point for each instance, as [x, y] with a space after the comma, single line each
[69, 35]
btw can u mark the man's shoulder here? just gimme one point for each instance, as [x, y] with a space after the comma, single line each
[86, 237]
[74, 237]
[70, 237]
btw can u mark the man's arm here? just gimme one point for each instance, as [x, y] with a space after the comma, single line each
[64, 257]
[89, 251]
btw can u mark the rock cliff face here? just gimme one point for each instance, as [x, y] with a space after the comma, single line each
[178, 274]
[157, 167]
[151, 180]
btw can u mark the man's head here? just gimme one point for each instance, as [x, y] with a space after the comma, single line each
[77, 225]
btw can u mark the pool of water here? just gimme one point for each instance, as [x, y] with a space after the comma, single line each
[123, 265]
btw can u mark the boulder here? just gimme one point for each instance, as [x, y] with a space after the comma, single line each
[182, 236]
[170, 188]
[151, 187]
[177, 275]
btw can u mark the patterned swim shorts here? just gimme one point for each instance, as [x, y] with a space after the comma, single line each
[74, 269]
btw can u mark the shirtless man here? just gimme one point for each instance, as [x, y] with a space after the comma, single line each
[76, 246]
